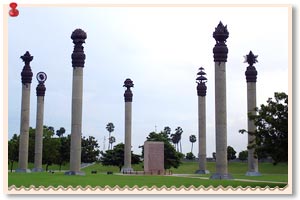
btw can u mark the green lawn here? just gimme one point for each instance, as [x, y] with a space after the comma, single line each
[270, 174]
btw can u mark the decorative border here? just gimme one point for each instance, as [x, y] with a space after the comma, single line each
[135, 189]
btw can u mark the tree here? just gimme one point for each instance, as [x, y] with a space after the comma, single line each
[175, 140]
[112, 140]
[243, 155]
[178, 132]
[89, 149]
[110, 128]
[167, 130]
[50, 147]
[60, 132]
[230, 153]
[190, 156]
[172, 158]
[115, 156]
[192, 140]
[64, 150]
[13, 150]
[272, 129]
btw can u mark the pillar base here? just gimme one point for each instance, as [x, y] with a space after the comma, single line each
[23, 170]
[126, 170]
[202, 171]
[221, 176]
[78, 173]
[253, 174]
[37, 170]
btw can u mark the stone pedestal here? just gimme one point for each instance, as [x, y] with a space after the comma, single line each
[25, 112]
[154, 157]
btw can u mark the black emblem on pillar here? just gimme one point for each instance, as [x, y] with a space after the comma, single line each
[26, 73]
[128, 94]
[251, 73]
[220, 50]
[201, 80]
[78, 36]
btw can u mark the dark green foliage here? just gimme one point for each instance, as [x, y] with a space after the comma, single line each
[89, 149]
[171, 156]
[13, 150]
[231, 153]
[56, 150]
[243, 155]
[272, 129]
[190, 156]
[115, 157]
[64, 150]
[60, 132]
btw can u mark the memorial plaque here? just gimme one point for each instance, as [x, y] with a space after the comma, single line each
[154, 157]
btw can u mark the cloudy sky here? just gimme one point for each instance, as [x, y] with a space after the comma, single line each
[160, 49]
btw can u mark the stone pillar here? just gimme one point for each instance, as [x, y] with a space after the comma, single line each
[78, 57]
[128, 116]
[201, 92]
[38, 145]
[251, 76]
[26, 75]
[220, 57]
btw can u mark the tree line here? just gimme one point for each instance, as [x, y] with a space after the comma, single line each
[271, 141]
[56, 150]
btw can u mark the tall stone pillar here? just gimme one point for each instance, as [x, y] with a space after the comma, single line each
[26, 75]
[201, 91]
[38, 145]
[128, 116]
[78, 57]
[251, 76]
[220, 57]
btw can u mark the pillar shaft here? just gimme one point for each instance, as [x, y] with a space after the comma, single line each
[76, 123]
[202, 134]
[38, 150]
[24, 128]
[251, 104]
[128, 122]
[221, 118]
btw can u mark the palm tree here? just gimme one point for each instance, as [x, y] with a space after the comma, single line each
[178, 132]
[112, 140]
[175, 140]
[60, 132]
[110, 128]
[192, 140]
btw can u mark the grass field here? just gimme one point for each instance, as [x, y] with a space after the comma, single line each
[272, 176]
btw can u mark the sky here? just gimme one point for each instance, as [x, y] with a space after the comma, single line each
[160, 49]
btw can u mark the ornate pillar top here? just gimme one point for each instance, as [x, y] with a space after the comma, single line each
[40, 89]
[251, 73]
[78, 36]
[128, 93]
[26, 74]
[220, 50]
[201, 80]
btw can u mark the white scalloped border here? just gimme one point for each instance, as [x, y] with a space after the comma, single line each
[148, 190]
